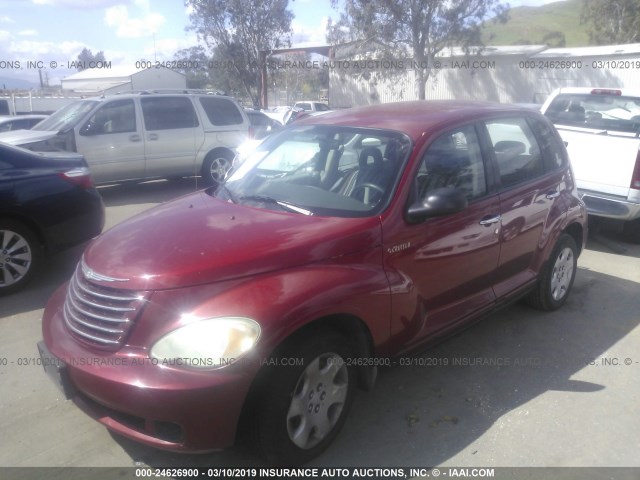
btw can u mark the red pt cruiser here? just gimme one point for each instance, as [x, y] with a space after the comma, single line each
[341, 241]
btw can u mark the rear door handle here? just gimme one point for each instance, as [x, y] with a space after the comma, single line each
[134, 138]
[489, 220]
[152, 136]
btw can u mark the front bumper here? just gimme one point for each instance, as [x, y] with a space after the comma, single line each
[164, 407]
[609, 206]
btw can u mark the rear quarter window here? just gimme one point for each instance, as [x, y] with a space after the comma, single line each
[221, 111]
[551, 146]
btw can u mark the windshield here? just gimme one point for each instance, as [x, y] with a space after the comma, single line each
[606, 112]
[66, 118]
[321, 170]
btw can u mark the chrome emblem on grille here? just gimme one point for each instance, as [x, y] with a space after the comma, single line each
[91, 275]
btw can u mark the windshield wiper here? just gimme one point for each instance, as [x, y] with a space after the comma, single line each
[285, 205]
[230, 194]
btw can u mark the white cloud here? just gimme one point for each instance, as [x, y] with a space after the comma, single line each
[5, 19]
[309, 35]
[28, 33]
[118, 17]
[93, 4]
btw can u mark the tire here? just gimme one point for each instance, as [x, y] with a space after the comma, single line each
[215, 166]
[631, 230]
[302, 408]
[20, 254]
[556, 279]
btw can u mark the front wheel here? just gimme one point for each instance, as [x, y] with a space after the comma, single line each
[557, 277]
[215, 167]
[305, 405]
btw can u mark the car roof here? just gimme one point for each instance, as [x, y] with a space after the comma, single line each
[416, 117]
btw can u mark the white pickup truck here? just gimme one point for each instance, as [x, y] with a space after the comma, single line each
[601, 128]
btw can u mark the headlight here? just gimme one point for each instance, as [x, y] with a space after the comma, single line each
[207, 344]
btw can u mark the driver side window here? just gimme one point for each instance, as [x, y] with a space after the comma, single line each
[114, 117]
[453, 160]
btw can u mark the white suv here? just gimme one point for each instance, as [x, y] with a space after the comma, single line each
[147, 135]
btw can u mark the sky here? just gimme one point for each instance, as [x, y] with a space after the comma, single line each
[49, 34]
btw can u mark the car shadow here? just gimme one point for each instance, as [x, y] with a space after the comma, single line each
[53, 272]
[426, 413]
[152, 191]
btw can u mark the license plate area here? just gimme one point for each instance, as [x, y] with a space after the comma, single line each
[57, 370]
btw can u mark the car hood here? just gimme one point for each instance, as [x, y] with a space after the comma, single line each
[22, 137]
[200, 239]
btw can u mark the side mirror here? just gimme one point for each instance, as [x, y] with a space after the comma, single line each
[437, 203]
[89, 129]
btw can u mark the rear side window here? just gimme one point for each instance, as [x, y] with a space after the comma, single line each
[600, 111]
[516, 150]
[321, 107]
[221, 111]
[304, 105]
[168, 113]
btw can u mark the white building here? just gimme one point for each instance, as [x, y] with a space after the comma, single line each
[107, 81]
[519, 74]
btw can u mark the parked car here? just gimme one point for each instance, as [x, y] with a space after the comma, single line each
[312, 106]
[261, 124]
[601, 127]
[343, 241]
[47, 203]
[142, 136]
[19, 122]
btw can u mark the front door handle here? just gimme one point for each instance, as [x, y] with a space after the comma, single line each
[152, 136]
[490, 220]
[553, 194]
[134, 137]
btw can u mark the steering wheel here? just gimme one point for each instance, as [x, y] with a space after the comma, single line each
[367, 185]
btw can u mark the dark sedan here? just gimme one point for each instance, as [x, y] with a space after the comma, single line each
[47, 203]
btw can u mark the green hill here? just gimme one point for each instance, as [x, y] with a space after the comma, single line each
[555, 24]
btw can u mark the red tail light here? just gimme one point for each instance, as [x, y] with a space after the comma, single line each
[80, 176]
[635, 178]
[605, 91]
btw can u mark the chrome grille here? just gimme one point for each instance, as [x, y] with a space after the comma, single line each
[100, 316]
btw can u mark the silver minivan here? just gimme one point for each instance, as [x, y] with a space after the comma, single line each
[141, 136]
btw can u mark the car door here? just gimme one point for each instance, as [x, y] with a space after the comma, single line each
[441, 270]
[531, 202]
[173, 135]
[111, 141]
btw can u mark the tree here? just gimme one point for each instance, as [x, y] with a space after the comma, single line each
[194, 64]
[239, 30]
[419, 28]
[612, 22]
[86, 58]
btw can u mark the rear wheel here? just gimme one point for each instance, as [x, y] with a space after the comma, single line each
[632, 230]
[215, 166]
[19, 255]
[556, 279]
[303, 407]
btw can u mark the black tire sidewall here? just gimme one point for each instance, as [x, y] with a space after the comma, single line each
[276, 395]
